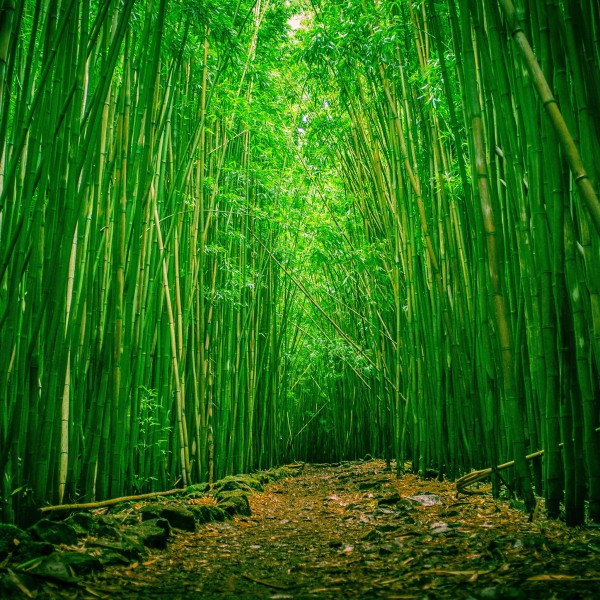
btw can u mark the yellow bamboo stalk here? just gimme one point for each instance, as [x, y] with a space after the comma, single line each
[185, 460]
[111, 502]
[65, 412]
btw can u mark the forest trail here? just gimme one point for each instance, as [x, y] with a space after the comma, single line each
[356, 531]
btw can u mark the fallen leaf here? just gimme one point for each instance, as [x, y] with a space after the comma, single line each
[89, 590]
[16, 581]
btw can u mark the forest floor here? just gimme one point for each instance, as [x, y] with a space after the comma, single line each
[356, 531]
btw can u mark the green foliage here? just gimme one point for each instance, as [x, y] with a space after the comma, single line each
[229, 241]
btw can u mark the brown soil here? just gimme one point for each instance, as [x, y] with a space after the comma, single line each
[329, 533]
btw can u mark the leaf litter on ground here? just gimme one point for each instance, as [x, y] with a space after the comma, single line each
[354, 530]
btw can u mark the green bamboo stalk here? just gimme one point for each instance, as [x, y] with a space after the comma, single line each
[549, 103]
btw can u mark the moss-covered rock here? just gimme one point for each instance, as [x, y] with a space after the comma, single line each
[55, 566]
[207, 513]
[179, 517]
[263, 477]
[54, 532]
[151, 511]
[30, 549]
[152, 534]
[197, 488]
[108, 531]
[11, 537]
[247, 483]
[108, 520]
[217, 514]
[126, 550]
[234, 503]
[202, 513]
[83, 523]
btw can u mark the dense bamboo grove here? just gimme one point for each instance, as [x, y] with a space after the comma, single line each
[226, 243]
[489, 248]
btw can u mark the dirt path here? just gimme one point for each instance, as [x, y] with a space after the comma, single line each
[351, 532]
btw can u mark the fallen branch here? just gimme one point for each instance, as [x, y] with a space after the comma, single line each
[112, 502]
[470, 478]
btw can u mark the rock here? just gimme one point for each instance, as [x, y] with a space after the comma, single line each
[262, 477]
[79, 562]
[440, 528]
[108, 520]
[53, 566]
[83, 523]
[131, 546]
[425, 499]
[207, 513]
[179, 517]
[55, 532]
[30, 549]
[11, 537]
[108, 531]
[152, 534]
[254, 482]
[246, 483]
[217, 514]
[234, 503]
[274, 474]
[151, 511]
[202, 512]
[125, 513]
[130, 519]
[232, 484]
[383, 511]
[197, 488]
[391, 499]
[128, 549]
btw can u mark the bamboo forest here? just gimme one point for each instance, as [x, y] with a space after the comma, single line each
[242, 234]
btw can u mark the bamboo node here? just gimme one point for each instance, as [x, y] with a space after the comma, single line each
[549, 101]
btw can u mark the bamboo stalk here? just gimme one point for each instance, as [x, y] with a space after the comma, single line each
[470, 478]
[549, 103]
[110, 502]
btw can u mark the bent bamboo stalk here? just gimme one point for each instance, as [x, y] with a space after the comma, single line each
[551, 107]
[470, 478]
[111, 502]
